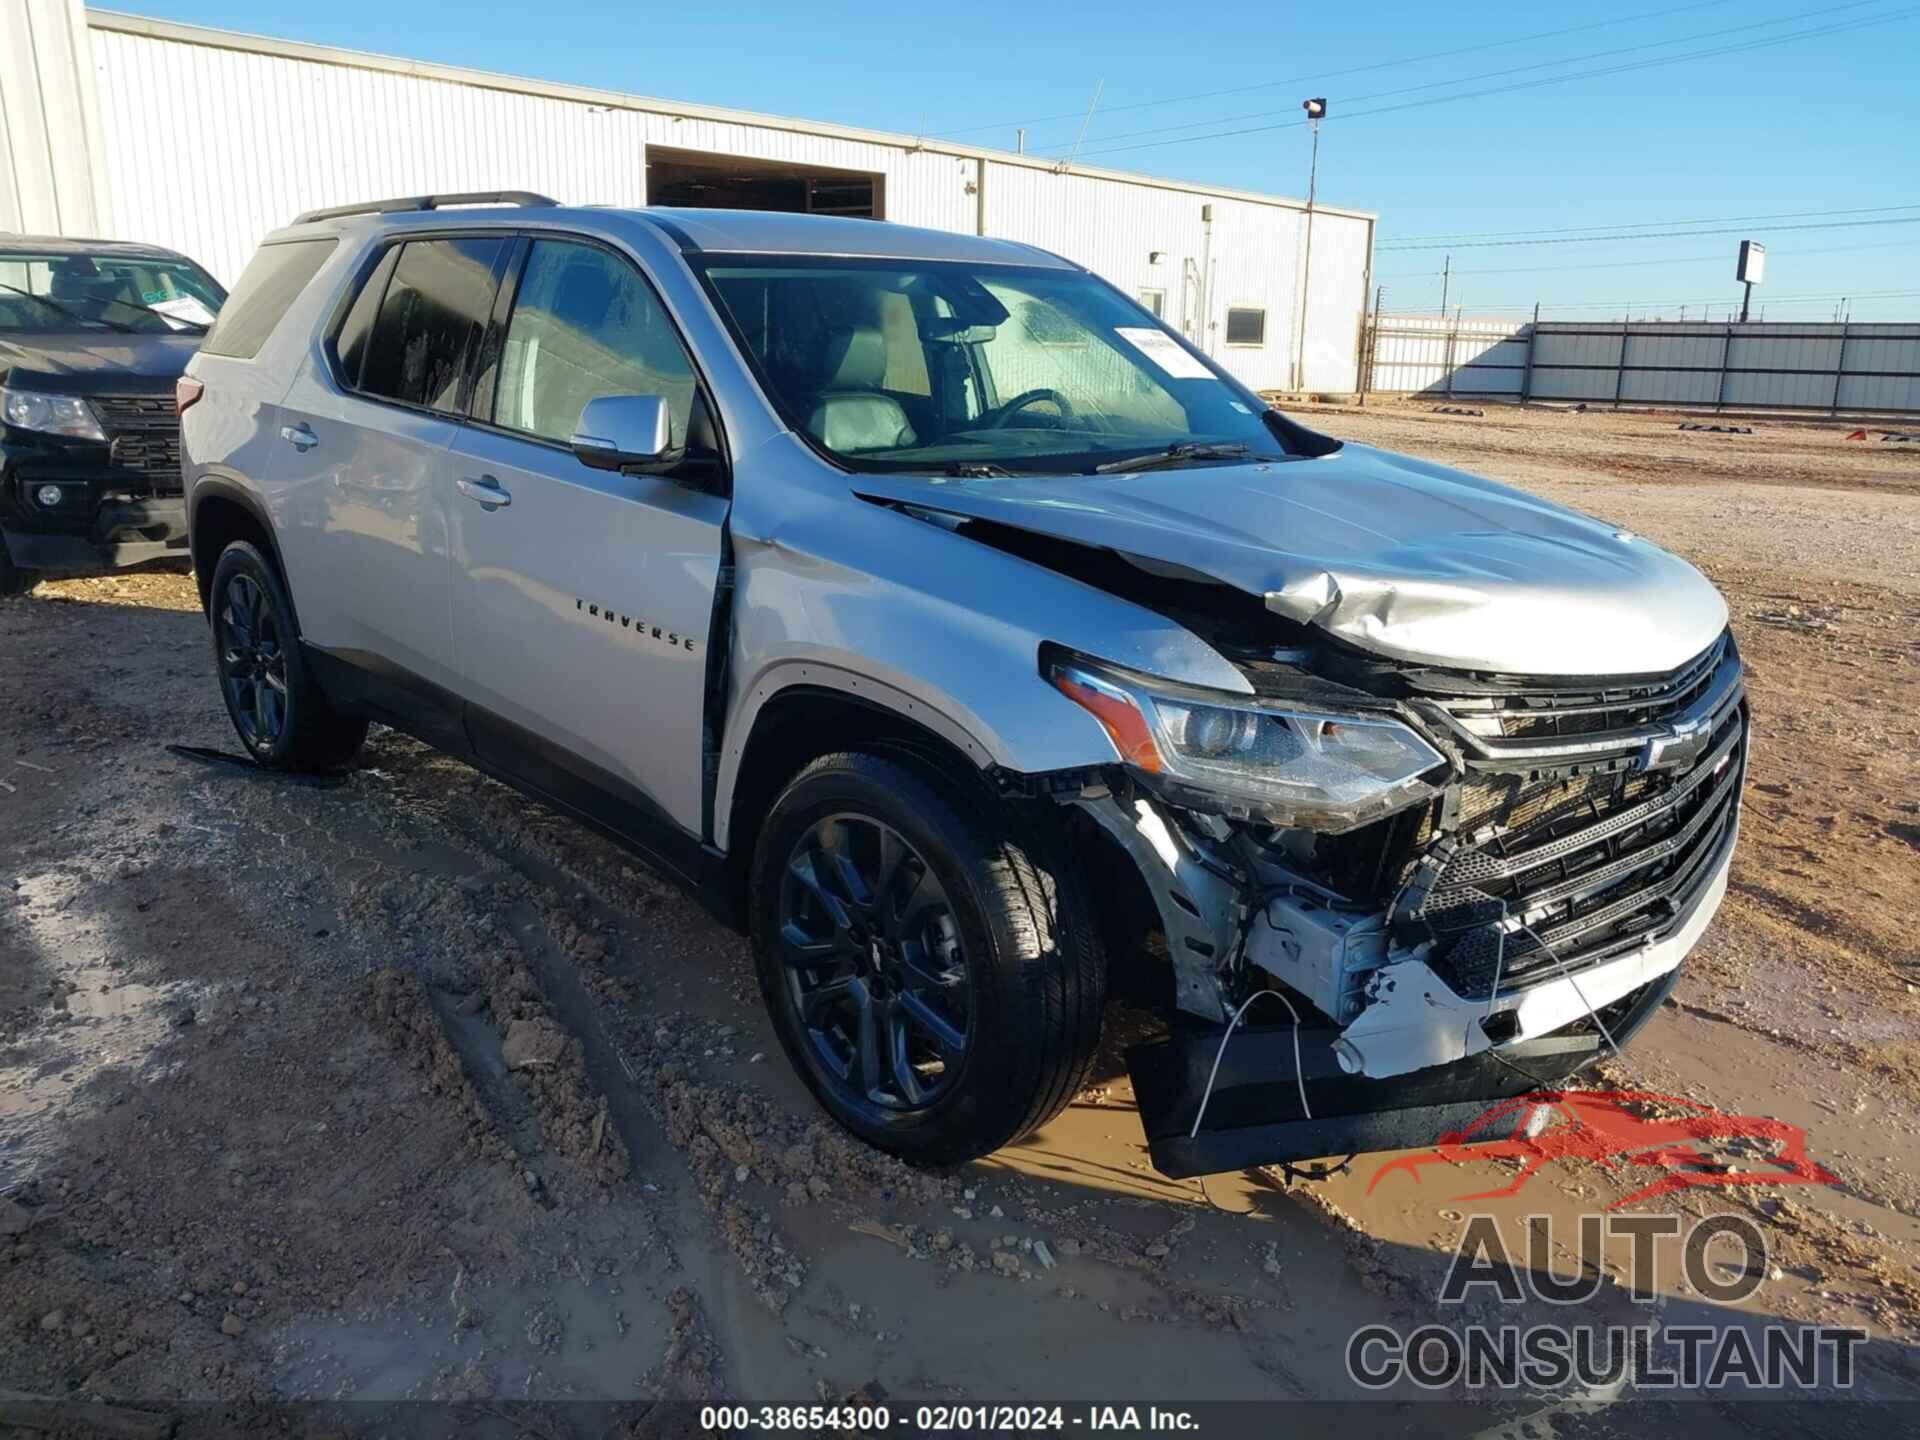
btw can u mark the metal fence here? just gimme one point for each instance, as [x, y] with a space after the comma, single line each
[1756, 365]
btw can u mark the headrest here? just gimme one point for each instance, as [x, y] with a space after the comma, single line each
[855, 359]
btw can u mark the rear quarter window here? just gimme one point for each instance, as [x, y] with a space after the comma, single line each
[270, 284]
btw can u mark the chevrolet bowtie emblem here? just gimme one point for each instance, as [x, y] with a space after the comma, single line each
[1681, 746]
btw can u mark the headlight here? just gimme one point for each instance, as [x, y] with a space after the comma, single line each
[1254, 758]
[51, 414]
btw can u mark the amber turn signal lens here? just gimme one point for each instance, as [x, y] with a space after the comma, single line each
[1120, 717]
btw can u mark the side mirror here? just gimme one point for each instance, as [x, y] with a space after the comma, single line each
[622, 432]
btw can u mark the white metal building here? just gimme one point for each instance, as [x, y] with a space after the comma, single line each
[203, 140]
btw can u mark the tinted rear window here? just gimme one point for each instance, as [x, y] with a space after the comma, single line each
[272, 280]
[435, 308]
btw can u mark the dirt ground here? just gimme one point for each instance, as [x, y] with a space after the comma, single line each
[401, 1088]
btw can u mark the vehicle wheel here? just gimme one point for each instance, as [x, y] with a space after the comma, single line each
[283, 719]
[929, 963]
[14, 580]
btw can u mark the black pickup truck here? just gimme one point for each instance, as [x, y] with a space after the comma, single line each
[93, 335]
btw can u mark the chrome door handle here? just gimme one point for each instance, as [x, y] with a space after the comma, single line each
[300, 437]
[485, 492]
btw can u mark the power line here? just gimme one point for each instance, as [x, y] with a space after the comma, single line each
[1642, 224]
[1704, 258]
[1719, 299]
[1813, 33]
[1650, 235]
[1346, 100]
[1351, 70]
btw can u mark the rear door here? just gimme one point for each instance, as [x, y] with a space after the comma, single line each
[582, 599]
[363, 457]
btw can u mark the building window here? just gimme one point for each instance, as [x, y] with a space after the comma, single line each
[1246, 326]
[1156, 301]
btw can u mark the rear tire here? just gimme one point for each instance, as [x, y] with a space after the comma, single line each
[272, 698]
[947, 935]
[14, 580]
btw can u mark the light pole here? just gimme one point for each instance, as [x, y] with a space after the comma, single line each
[1316, 109]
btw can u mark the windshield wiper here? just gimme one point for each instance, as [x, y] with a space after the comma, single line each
[73, 315]
[1174, 455]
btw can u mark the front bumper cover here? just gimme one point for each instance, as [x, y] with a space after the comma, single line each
[1253, 1114]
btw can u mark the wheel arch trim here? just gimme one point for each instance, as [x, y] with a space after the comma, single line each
[793, 677]
[221, 484]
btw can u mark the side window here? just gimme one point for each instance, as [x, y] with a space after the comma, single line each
[434, 309]
[349, 344]
[585, 324]
[265, 290]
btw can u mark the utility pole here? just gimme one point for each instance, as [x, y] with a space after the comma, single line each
[1446, 278]
[1316, 109]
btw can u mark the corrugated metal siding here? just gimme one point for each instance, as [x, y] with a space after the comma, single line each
[1414, 352]
[1777, 365]
[48, 121]
[270, 136]
[1337, 305]
[208, 147]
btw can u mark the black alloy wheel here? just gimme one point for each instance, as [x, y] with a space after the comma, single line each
[925, 950]
[253, 661]
[272, 697]
[876, 971]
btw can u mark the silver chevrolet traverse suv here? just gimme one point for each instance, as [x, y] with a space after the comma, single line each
[980, 647]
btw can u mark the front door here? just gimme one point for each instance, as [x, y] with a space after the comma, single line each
[583, 599]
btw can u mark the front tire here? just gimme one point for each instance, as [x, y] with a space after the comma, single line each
[926, 956]
[272, 698]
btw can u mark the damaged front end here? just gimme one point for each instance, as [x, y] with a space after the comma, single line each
[1393, 894]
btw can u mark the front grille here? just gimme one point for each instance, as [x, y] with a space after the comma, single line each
[144, 432]
[1569, 839]
[1563, 710]
[1590, 865]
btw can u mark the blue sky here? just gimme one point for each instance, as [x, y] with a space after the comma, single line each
[1799, 122]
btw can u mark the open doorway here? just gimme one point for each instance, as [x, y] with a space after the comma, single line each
[735, 182]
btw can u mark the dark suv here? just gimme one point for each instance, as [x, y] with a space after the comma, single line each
[93, 334]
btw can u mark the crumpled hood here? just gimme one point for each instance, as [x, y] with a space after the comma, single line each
[96, 362]
[1395, 555]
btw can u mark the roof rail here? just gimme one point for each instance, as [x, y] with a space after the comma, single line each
[426, 202]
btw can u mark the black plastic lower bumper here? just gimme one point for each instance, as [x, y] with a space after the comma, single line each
[1254, 1116]
[119, 534]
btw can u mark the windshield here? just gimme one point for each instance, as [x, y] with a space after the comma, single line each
[128, 294]
[904, 365]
